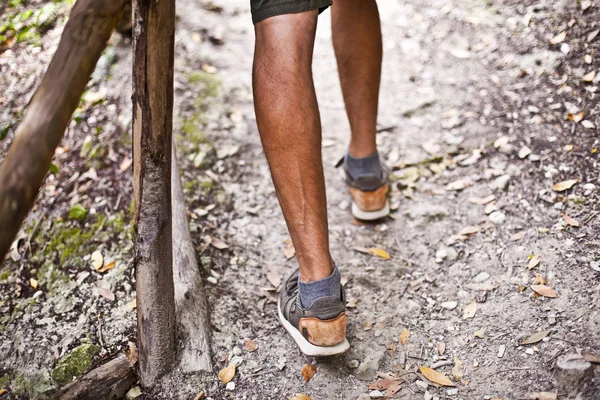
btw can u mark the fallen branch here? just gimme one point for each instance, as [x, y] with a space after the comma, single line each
[23, 170]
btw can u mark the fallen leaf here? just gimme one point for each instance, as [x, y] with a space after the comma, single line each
[308, 371]
[544, 290]
[441, 348]
[227, 374]
[558, 38]
[404, 336]
[469, 230]
[33, 283]
[539, 280]
[589, 76]
[575, 117]
[542, 396]
[564, 185]
[570, 220]
[435, 377]
[482, 200]
[590, 357]
[2, 391]
[108, 266]
[470, 310]
[368, 324]
[250, 345]
[289, 251]
[391, 348]
[107, 294]
[97, 260]
[457, 370]
[381, 384]
[536, 337]
[273, 277]
[299, 396]
[380, 253]
[534, 261]
[218, 243]
[392, 389]
[518, 236]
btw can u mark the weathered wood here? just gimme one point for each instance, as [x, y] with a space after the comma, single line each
[193, 331]
[153, 60]
[28, 159]
[125, 23]
[108, 381]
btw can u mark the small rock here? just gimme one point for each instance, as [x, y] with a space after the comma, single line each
[572, 371]
[501, 350]
[353, 364]
[212, 280]
[421, 384]
[367, 370]
[376, 394]
[344, 205]
[481, 277]
[501, 182]
[237, 351]
[133, 393]
[449, 305]
[230, 386]
[529, 351]
[452, 392]
[497, 217]
[427, 396]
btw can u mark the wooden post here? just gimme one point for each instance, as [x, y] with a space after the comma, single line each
[28, 159]
[153, 61]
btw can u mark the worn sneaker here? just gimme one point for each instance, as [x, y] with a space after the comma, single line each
[369, 195]
[319, 330]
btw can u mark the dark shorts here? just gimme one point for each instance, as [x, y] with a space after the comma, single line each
[262, 9]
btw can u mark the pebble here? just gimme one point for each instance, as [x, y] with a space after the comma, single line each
[367, 370]
[449, 305]
[353, 364]
[497, 217]
[237, 351]
[452, 392]
[501, 182]
[212, 280]
[481, 277]
[427, 396]
[376, 394]
[501, 350]
[421, 384]
[230, 386]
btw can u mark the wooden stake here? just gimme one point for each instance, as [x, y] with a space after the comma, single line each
[28, 159]
[153, 48]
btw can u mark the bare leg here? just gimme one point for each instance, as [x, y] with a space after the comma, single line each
[290, 129]
[356, 32]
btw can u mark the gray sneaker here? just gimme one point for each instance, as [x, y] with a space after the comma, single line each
[369, 195]
[319, 330]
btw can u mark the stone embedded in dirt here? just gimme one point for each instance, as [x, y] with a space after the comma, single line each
[481, 277]
[353, 364]
[501, 182]
[367, 370]
[497, 217]
[376, 394]
[572, 371]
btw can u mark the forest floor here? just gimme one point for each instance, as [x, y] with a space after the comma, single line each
[489, 116]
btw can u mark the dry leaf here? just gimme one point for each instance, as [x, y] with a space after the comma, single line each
[544, 290]
[108, 266]
[534, 261]
[469, 230]
[482, 200]
[404, 336]
[539, 280]
[457, 370]
[289, 251]
[589, 76]
[392, 389]
[250, 345]
[227, 374]
[575, 117]
[379, 253]
[107, 294]
[570, 220]
[299, 396]
[536, 337]
[381, 384]
[97, 260]
[435, 377]
[470, 310]
[391, 348]
[542, 396]
[218, 243]
[518, 236]
[558, 38]
[273, 277]
[33, 283]
[441, 348]
[368, 324]
[590, 357]
[308, 371]
[2, 391]
[564, 185]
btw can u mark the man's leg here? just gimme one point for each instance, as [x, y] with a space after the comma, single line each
[311, 304]
[356, 33]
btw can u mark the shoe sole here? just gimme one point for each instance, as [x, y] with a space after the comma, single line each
[305, 346]
[370, 215]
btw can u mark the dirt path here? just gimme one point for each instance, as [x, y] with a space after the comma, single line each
[467, 87]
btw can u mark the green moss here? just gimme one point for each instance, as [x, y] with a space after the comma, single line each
[74, 363]
[31, 386]
[206, 184]
[5, 274]
[190, 186]
[4, 381]
[68, 242]
[77, 212]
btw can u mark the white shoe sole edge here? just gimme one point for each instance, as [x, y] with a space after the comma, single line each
[305, 346]
[370, 215]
